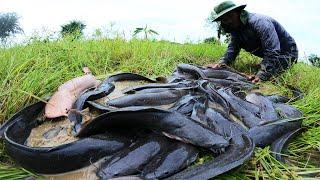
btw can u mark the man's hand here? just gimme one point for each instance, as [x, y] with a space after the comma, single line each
[213, 66]
[254, 79]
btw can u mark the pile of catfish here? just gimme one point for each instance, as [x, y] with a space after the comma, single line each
[156, 129]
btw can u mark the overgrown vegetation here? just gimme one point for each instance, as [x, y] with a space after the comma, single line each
[34, 71]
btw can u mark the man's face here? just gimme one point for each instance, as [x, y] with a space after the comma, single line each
[231, 19]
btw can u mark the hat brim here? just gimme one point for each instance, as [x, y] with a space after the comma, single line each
[228, 10]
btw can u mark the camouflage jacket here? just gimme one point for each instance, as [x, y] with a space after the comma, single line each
[264, 37]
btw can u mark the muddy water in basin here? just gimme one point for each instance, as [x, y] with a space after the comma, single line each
[51, 133]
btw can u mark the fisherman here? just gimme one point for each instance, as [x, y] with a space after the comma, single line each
[258, 34]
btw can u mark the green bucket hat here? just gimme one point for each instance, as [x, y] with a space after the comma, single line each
[225, 7]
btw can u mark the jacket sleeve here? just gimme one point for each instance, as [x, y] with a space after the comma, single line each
[271, 48]
[232, 52]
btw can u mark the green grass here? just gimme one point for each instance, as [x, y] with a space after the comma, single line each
[32, 72]
[10, 172]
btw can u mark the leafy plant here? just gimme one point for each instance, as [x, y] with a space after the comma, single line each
[146, 31]
[9, 25]
[314, 59]
[73, 29]
[211, 40]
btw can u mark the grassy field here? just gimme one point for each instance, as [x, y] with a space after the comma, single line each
[32, 72]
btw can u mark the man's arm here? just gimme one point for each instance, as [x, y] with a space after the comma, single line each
[271, 48]
[232, 52]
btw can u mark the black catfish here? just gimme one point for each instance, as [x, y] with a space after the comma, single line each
[172, 124]
[171, 159]
[287, 111]
[198, 112]
[101, 108]
[195, 71]
[179, 76]
[240, 149]
[185, 104]
[133, 159]
[230, 83]
[127, 77]
[249, 106]
[248, 118]
[268, 131]
[147, 99]
[101, 91]
[227, 68]
[266, 108]
[183, 85]
[209, 90]
[224, 74]
[277, 98]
